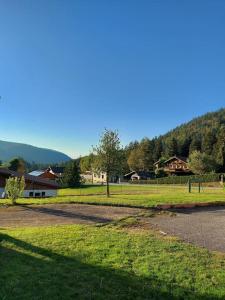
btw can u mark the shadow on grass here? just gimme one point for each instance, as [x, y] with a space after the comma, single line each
[30, 272]
[67, 214]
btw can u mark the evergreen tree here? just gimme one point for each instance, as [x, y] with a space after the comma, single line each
[184, 147]
[219, 149]
[195, 145]
[141, 158]
[171, 147]
[17, 164]
[208, 142]
[71, 176]
[158, 149]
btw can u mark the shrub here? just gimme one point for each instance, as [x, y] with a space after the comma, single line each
[14, 188]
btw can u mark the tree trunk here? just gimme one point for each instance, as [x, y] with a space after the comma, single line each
[107, 186]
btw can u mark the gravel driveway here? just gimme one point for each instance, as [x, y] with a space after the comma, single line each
[53, 214]
[201, 226]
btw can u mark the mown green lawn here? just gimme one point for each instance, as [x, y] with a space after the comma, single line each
[87, 262]
[139, 196]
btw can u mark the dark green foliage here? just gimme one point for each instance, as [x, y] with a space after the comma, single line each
[17, 164]
[202, 163]
[158, 149]
[141, 157]
[213, 177]
[195, 144]
[71, 177]
[205, 134]
[86, 163]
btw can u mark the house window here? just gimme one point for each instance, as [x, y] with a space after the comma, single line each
[37, 194]
[102, 176]
[31, 194]
[43, 194]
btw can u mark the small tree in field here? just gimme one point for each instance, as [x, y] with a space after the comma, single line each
[14, 188]
[109, 155]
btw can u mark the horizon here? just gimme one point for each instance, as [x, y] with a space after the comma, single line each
[68, 70]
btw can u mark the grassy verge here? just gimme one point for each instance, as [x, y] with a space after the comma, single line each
[85, 262]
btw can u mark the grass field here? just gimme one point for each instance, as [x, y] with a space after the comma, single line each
[87, 262]
[132, 195]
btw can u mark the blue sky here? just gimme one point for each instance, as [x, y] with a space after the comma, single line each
[70, 68]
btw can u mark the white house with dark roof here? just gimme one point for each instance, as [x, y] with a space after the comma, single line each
[34, 186]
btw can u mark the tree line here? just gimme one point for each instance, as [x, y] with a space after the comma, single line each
[202, 140]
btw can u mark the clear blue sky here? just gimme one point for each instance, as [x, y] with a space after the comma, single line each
[70, 68]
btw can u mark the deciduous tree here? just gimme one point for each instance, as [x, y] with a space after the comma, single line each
[14, 188]
[201, 163]
[109, 155]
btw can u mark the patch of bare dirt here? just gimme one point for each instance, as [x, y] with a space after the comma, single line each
[55, 214]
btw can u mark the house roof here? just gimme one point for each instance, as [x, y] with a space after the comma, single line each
[130, 173]
[184, 159]
[48, 170]
[29, 178]
[36, 173]
[58, 170]
[143, 173]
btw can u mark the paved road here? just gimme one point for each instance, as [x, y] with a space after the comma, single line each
[201, 226]
[53, 214]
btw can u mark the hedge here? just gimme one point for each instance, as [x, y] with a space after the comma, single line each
[215, 177]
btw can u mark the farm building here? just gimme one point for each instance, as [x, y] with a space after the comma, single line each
[51, 173]
[174, 166]
[35, 186]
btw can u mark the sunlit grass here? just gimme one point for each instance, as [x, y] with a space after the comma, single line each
[139, 196]
[86, 262]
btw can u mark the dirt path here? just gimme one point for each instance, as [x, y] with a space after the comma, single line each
[201, 226]
[54, 214]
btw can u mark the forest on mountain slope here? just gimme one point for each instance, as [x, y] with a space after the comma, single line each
[205, 134]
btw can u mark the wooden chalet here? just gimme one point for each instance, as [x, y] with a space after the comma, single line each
[175, 165]
[34, 186]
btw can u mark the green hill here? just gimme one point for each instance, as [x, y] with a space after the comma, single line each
[205, 133]
[30, 153]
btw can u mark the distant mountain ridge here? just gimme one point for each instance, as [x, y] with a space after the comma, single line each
[31, 153]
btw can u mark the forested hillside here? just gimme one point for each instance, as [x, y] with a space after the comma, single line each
[205, 134]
